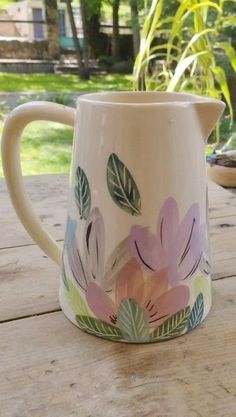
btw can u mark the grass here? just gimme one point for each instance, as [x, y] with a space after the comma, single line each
[62, 83]
[46, 146]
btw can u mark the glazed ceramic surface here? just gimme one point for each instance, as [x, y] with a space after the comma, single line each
[135, 265]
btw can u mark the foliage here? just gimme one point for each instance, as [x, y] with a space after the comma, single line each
[82, 193]
[132, 321]
[5, 3]
[173, 326]
[98, 327]
[226, 128]
[197, 312]
[186, 57]
[93, 7]
[122, 186]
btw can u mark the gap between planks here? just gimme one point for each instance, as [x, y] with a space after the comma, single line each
[56, 310]
[26, 245]
[28, 316]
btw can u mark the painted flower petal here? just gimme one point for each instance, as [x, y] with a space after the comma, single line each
[204, 265]
[116, 260]
[154, 287]
[130, 283]
[202, 284]
[70, 232]
[94, 246]
[204, 232]
[168, 304]
[76, 264]
[167, 224]
[186, 252]
[193, 258]
[145, 247]
[187, 232]
[101, 304]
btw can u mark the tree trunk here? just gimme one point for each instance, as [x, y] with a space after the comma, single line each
[84, 17]
[81, 70]
[52, 28]
[94, 34]
[115, 47]
[90, 14]
[135, 25]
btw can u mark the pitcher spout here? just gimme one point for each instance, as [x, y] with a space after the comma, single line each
[208, 112]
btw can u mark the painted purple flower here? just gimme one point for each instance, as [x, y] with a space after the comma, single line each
[177, 246]
[152, 295]
[90, 266]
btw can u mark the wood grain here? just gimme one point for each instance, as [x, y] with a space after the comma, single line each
[50, 368]
[222, 202]
[48, 194]
[223, 249]
[29, 280]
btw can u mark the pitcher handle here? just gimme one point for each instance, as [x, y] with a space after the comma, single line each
[12, 131]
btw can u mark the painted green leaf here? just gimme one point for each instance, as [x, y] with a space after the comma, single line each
[173, 326]
[64, 278]
[133, 321]
[75, 300]
[196, 313]
[122, 187]
[98, 327]
[82, 193]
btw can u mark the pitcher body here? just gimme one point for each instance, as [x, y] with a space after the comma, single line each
[135, 266]
[136, 258]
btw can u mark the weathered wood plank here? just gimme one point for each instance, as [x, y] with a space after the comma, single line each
[222, 202]
[223, 248]
[48, 194]
[29, 280]
[29, 283]
[49, 368]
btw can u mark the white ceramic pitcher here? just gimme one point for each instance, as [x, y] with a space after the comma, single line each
[135, 264]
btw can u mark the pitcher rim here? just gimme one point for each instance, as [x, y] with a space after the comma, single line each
[114, 98]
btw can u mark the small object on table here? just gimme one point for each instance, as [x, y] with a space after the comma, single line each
[222, 168]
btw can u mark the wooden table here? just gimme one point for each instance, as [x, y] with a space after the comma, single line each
[49, 368]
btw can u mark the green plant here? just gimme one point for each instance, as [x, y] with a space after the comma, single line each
[45, 148]
[4, 109]
[62, 83]
[192, 44]
[62, 98]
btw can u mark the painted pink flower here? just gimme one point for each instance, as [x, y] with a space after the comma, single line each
[176, 246]
[152, 295]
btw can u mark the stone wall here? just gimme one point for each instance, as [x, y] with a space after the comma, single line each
[14, 49]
